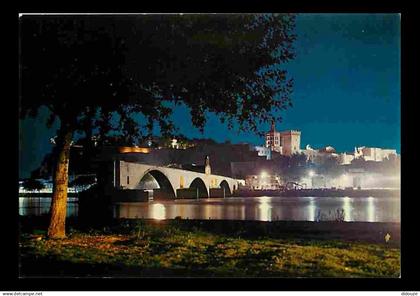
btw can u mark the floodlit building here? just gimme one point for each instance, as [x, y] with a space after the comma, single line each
[174, 144]
[290, 141]
[373, 154]
[285, 143]
[328, 149]
[346, 158]
[273, 140]
[319, 155]
[263, 151]
[263, 181]
[310, 153]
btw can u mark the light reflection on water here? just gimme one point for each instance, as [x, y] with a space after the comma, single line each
[371, 209]
[41, 206]
[265, 209]
[311, 210]
[368, 209]
[158, 211]
[347, 209]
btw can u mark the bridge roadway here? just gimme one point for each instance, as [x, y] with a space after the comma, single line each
[170, 181]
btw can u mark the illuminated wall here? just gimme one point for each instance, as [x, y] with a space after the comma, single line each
[290, 142]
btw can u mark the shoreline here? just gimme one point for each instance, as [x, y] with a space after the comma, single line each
[320, 193]
[368, 232]
[47, 194]
[396, 193]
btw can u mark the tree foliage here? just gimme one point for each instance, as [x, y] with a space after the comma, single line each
[112, 74]
[293, 167]
[85, 69]
[329, 165]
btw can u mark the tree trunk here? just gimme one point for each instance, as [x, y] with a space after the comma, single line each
[57, 228]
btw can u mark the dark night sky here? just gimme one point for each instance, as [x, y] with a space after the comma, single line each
[346, 92]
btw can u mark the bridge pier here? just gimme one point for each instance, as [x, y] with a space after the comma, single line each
[187, 193]
[159, 194]
[217, 192]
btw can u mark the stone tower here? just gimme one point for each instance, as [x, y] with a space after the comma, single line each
[290, 142]
[273, 139]
[207, 168]
[273, 126]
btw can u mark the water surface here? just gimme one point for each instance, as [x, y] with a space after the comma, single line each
[361, 209]
[41, 206]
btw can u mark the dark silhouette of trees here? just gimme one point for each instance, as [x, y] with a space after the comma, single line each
[359, 162]
[32, 184]
[390, 165]
[80, 160]
[294, 166]
[330, 166]
[95, 74]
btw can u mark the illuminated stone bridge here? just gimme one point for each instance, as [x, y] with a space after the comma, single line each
[167, 182]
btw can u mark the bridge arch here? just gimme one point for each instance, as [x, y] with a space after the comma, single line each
[199, 184]
[224, 184]
[159, 182]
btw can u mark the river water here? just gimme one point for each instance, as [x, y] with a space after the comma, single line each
[361, 209]
[265, 208]
[41, 205]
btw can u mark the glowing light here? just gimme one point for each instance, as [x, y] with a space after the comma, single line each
[371, 209]
[265, 208]
[133, 150]
[265, 212]
[347, 209]
[311, 173]
[311, 209]
[158, 211]
[263, 175]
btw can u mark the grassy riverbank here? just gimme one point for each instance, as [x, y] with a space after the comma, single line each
[191, 248]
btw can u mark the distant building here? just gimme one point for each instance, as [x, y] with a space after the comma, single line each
[319, 155]
[47, 183]
[285, 143]
[290, 142]
[263, 151]
[127, 149]
[373, 154]
[273, 139]
[346, 158]
[166, 142]
[174, 144]
[328, 149]
[263, 181]
[310, 153]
